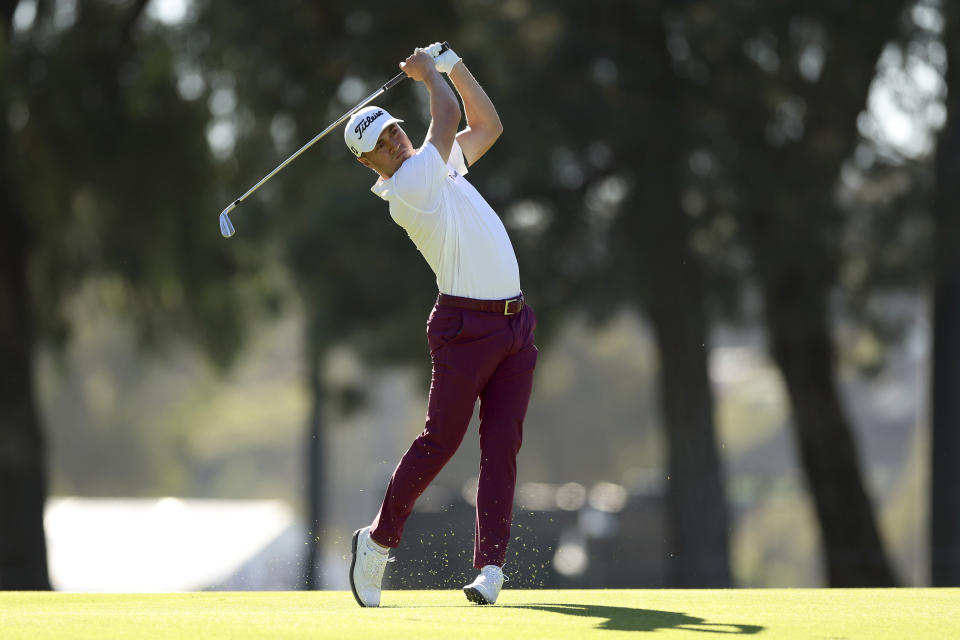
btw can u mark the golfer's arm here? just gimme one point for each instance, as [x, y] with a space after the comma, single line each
[444, 114]
[483, 124]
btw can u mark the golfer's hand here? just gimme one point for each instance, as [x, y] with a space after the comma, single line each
[442, 60]
[418, 66]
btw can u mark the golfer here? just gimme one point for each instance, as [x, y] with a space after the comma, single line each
[480, 331]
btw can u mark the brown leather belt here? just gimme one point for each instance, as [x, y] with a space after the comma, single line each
[508, 307]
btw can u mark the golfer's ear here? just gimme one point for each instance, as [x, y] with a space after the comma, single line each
[364, 162]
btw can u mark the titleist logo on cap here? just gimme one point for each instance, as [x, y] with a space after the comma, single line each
[363, 124]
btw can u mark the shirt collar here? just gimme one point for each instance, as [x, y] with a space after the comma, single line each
[382, 187]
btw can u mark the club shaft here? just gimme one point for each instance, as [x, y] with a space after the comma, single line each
[373, 96]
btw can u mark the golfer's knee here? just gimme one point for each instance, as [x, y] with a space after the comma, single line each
[430, 447]
[507, 444]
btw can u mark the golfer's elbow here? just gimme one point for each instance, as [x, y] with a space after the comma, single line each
[497, 128]
[492, 132]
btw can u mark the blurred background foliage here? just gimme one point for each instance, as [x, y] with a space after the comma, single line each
[726, 215]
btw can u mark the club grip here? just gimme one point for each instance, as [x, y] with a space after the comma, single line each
[397, 79]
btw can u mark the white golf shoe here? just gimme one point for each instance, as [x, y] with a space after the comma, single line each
[366, 568]
[486, 587]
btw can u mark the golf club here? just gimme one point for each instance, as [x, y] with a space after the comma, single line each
[226, 226]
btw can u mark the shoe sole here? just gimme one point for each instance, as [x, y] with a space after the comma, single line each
[474, 596]
[353, 564]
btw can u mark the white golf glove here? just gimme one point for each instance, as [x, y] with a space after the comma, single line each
[442, 61]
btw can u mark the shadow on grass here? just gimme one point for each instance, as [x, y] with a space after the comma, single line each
[628, 619]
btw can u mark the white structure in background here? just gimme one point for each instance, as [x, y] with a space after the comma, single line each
[171, 544]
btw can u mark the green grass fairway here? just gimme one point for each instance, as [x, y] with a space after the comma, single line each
[805, 614]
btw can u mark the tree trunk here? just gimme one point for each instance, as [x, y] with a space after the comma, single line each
[659, 234]
[945, 426]
[314, 469]
[23, 552]
[801, 345]
[696, 500]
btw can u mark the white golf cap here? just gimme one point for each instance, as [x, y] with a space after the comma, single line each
[364, 127]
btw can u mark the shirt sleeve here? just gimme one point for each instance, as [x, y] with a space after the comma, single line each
[457, 161]
[419, 180]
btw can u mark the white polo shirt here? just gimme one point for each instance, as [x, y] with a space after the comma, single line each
[459, 234]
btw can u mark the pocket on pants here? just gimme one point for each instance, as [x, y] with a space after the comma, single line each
[443, 327]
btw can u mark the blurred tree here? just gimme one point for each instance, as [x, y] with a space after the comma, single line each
[106, 175]
[784, 85]
[655, 258]
[23, 552]
[945, 441]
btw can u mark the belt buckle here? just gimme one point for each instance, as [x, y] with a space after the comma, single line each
[506, 306]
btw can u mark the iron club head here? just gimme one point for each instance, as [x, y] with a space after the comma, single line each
[226, 227]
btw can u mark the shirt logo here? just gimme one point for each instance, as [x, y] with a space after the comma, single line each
[366, 122]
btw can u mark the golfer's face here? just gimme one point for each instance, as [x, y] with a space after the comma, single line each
[392, 149]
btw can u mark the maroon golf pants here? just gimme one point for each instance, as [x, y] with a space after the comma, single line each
[476, 354]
